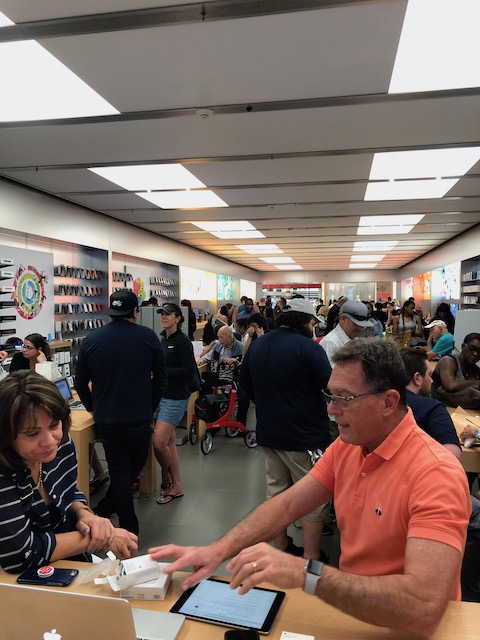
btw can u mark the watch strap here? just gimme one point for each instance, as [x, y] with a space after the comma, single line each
[313, 573]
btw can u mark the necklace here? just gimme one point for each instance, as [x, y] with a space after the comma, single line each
[40, 478]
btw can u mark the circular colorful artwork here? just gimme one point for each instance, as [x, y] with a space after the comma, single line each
[29, 291]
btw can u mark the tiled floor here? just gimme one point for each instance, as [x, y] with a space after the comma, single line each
[220, 489]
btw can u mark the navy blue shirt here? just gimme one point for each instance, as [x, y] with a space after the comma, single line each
[284, 374]
[126, 365]
[432, 416]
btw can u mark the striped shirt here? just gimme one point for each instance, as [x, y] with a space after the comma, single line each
[28, 526]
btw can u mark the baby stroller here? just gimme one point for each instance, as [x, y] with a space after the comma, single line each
[216, 410]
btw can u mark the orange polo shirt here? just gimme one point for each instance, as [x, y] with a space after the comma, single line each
[408, 487]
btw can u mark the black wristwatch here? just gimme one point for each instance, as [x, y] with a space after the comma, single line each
[313, 573]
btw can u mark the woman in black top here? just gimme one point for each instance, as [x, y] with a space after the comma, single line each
[35, 349]
[181, 368]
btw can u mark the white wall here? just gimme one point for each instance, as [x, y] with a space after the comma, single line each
[43, 217]
[462, 247]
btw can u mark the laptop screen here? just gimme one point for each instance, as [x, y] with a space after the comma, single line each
[64, 388]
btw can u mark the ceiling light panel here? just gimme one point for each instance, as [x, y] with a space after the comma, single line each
[367, 258]
[259, 249]
[234, 235]
[37, 86]
[288, 267]
[374, 245]
[278, 260]
[158, 177]
[439, 47]
[225, 225]
[387, 225]
[184, 199]
[418, 174]
[366, 265]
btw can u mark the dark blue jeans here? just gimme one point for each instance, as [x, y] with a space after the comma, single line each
[126, 449]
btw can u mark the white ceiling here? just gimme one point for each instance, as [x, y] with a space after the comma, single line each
[314, 76]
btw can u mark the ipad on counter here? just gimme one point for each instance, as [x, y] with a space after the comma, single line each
[213, 601]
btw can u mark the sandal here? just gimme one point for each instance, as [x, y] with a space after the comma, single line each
[165, 488]
[165, 498]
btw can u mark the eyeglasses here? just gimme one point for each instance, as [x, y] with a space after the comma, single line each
[28, 348]
[343, 401]
[473, 350]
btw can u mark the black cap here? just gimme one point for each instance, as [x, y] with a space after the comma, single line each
[170, 307]
[122, 303]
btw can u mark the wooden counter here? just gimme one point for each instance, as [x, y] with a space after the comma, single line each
[299, 613]
[470, 457]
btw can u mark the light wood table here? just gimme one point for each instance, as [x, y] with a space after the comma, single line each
[299, 613]
[470, 457]
[83, 435]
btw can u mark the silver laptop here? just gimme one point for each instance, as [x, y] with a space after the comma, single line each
[64, 388]
[41, 613]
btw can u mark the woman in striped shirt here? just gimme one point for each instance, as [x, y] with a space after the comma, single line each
[43, 516]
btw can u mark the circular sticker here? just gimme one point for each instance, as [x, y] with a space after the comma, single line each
[45, 572]
[29, 291]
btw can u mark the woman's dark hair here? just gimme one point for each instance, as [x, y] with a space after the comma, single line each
[470, 337]
[39, 342]
[258, 319]
[268, 312]
[20, 394]
[443, 307]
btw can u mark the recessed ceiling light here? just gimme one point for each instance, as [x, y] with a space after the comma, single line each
[366, 265]
[408, 189]
[184, 199]
[288, 267]
[438, 47]
[367, 258]
[387, 225]
[418, 174]
[278, 260]
[37, 86]
[225, 225]
[375, 245]
[150, 177]
[232, 235]
[4, 21]
[258, 249]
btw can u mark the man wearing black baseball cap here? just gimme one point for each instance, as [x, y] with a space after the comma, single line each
[125, 364]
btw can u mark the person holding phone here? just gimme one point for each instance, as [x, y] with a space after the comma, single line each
[43, 516]
[35, 349]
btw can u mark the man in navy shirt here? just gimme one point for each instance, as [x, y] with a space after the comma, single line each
[431, 415]
[284, 373]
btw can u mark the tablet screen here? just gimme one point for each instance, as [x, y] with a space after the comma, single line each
[213, 601]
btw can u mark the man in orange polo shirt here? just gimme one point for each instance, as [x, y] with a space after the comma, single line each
[401, 499]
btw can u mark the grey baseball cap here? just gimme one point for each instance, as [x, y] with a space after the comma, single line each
[357, 312]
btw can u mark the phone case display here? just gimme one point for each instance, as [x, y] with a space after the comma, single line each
[163, 291]
[7, 307]
[119, 277]
[471, 283]
[81, 298]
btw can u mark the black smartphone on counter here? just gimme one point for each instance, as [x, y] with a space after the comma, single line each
[59, 577]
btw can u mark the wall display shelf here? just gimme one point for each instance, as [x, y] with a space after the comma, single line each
[80, 298]
[470, 296]
[7, 318]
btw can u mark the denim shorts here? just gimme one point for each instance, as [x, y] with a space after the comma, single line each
[171, 411]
